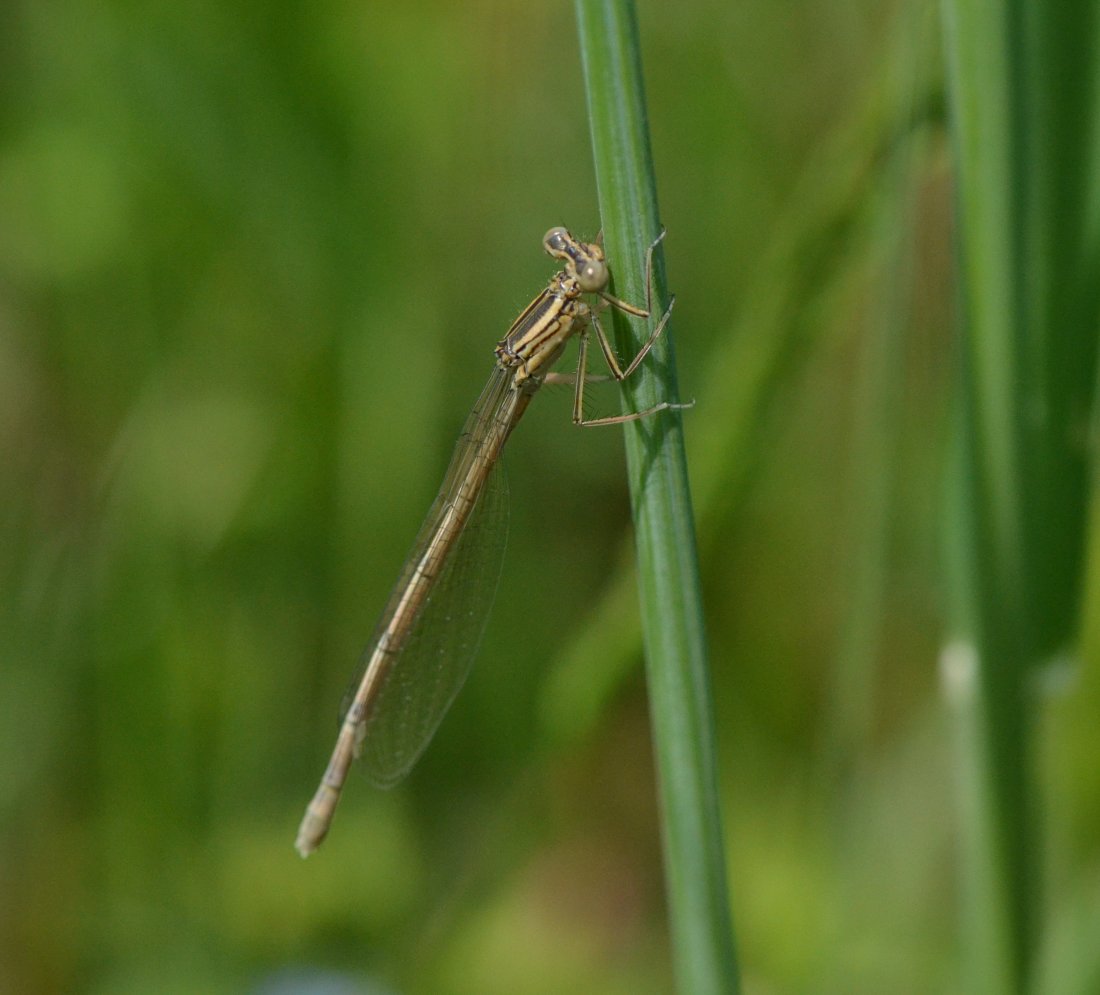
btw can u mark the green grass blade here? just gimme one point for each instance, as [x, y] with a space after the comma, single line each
[675, 640]
[1023, 92]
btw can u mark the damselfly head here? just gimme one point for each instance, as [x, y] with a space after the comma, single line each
[583, 260]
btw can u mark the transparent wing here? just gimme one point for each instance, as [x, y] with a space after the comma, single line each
[453, 574]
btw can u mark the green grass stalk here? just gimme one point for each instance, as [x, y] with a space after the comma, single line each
[672, 614]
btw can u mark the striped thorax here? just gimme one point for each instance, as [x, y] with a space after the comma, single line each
[537, 337]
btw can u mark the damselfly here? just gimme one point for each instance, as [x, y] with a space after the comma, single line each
[432, 625]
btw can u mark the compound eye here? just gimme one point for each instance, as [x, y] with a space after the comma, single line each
[593, 276]
[556, 242]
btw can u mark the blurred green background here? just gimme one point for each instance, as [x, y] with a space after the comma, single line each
[253, 262]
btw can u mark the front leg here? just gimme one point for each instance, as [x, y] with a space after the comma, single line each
[633, 308]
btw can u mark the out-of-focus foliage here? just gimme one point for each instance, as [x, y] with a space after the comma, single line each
[1024, 93]
[253, 261]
